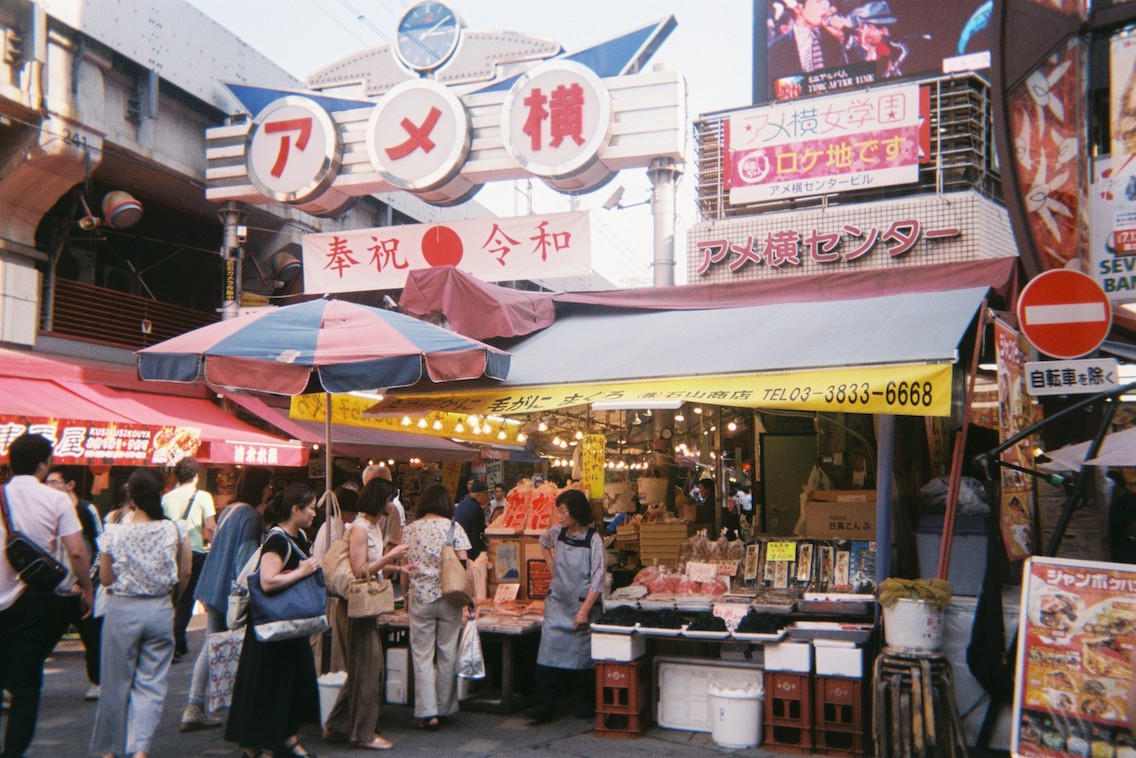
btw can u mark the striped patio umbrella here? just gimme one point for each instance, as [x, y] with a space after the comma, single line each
[346, 346]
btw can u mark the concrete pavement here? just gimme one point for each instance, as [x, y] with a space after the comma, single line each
[66, 720]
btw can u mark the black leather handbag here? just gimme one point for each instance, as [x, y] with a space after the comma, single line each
[36, 567]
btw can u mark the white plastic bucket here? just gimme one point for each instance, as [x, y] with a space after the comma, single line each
[329, 686]
[735, 715]
[913, 625]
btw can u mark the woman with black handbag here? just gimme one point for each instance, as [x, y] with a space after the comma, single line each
[275, 692]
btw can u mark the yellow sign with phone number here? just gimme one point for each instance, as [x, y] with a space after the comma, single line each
[904, 390]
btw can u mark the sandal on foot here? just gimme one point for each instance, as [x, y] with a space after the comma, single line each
[378, 743]
[430, 725]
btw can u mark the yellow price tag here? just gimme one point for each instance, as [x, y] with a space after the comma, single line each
[781, 551]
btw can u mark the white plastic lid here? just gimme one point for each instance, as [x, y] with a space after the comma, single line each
[748, 692]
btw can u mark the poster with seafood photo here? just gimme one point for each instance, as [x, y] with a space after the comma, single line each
[1077, 633]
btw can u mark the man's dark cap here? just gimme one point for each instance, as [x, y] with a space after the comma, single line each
[478, 486]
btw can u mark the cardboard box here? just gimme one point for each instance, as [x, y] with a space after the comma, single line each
[838, 658]
[841, 514]
[789, 656]
[617, 647]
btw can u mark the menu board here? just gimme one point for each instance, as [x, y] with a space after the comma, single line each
[1077, 634]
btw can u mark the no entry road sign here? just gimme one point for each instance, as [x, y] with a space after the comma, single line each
[1064, 314]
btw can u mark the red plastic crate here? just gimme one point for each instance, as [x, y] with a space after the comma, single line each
[841, 704]
[620, 726]
[789, 700]
[621, 688]
[837, 742]
[788, 739]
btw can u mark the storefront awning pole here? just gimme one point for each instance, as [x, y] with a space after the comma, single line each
[327, 441]
[885, 465]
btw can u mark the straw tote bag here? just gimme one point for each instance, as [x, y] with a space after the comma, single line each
[368, 597]
[457, 587]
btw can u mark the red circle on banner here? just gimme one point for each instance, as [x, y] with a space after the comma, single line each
[441, 246]
[1064, 313]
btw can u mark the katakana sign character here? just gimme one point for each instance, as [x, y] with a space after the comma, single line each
[781, 248]
[906, 233]
[938, 234]
[868, 244]
[542, 240]
[419, 136]
[502, 242]
[8, 433]
[537, 114]
[713, 251]
[301, 125]
[748, 252]
[809, 159]
[787, 163]
[821, 246]
[567, 106]
[385, 253]
[339, 255]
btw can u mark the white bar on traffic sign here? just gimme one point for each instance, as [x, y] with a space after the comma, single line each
[1079, 377]
[1069, 313]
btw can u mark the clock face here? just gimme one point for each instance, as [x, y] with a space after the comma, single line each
[427, 35]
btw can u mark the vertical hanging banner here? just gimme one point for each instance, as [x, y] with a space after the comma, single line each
[493, 249]
[1017, 411]
[592, 465]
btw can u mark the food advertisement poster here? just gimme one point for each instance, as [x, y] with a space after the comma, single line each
[104, 442]
[1017, 411]
[1077, 633]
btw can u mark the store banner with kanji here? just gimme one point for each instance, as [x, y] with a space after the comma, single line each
[105, 443]
[1017, 411]
[495, 249]
[824, 145]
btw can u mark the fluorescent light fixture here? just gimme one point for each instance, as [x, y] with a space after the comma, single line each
[376, 395]
[636, 405]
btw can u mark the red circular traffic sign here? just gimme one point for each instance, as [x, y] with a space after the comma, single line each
[1064, 314]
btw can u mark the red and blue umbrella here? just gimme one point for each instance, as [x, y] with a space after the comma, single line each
[343, 346]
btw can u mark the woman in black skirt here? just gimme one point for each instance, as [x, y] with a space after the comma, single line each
[275, 692]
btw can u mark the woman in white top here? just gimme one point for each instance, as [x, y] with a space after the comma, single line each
[145, 566]
[435, 623]
[355, 716]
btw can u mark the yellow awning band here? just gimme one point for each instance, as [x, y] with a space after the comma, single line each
[348, 410]
[904, 390]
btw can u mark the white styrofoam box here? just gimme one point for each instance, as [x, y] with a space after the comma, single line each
[681, 684]
[789, 656]
[617, 647]
[839, 658]
[398, 659]
[396, 687]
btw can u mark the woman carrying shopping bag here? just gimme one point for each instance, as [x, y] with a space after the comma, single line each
[355, 716]
[275, 692]
[145, 565]
[435, 622]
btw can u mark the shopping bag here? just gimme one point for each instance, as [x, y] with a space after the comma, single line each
[298, 610]
[456, 587]
[471, 663]
[223, 653]
[368, 597]
[236, 614]
[337, 567]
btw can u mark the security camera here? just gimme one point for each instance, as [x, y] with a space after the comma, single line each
[389, 303]
[614, 200]
[242, 234]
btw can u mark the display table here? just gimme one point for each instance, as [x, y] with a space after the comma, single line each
[506, 641]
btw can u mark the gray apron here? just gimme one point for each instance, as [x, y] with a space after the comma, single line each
[561, 644]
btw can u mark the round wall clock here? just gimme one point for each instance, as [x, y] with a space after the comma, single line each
[427, 36]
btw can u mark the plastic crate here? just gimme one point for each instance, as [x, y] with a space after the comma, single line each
[621, 688]
[789, 699]
[620, 726]
[788, 739]
[840, 722]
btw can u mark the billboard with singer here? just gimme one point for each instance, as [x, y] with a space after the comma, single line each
[818, 47]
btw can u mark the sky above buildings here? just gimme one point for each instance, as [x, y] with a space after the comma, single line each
[711, 47]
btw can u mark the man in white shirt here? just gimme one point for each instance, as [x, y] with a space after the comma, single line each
[46, 517]
[195, 507]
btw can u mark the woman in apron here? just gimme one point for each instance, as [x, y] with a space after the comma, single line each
[576, 554]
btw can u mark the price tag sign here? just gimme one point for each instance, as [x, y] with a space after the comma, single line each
[701, 572]
[506, 592]
[781, 551]
[731, 613]
[727, 568]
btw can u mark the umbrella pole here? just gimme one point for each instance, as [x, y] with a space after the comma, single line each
[327, 441]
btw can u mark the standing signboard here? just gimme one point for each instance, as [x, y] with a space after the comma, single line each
[1076, 636]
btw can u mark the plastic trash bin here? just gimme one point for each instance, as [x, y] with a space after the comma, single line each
[329, 686]
[735, 715]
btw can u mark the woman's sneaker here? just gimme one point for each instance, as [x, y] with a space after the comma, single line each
[193, 718]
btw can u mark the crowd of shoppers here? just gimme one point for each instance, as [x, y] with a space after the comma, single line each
[154, 550]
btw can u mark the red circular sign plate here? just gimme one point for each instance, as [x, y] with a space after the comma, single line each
[1064, 314]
